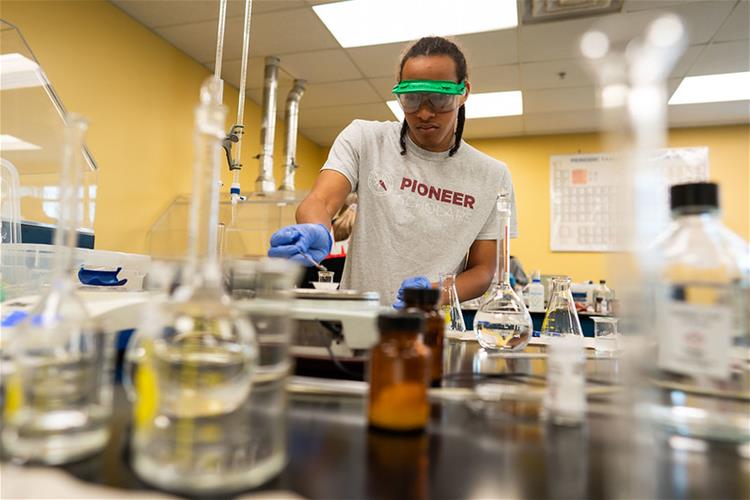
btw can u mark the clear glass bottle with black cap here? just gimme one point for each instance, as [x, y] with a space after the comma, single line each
[427, 300]
[698, 386]
[399, 374]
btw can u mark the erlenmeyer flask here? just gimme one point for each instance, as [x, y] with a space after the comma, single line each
[502, 321]
[454, 317]
[561, 317]
[196, 371]
[59, 396]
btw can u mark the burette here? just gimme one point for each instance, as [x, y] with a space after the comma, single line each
[238, 129]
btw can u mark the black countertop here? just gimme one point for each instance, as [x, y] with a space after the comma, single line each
[474, 449]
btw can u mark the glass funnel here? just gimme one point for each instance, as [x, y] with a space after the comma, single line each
[454, 317]
[561, 317]
[502, 322]
[59, 396]
[194, 373]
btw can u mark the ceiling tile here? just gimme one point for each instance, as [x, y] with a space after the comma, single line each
[262, 6]
[322, 136]
[561, 121]
[339, 94]
[715, 113]
[256, 70]
[553, 40]
[495, 78]
[163, 13]
[377, 60]
[737, 26]
[686, 60]
[565, 99]
[321, 66]
[725, 57]
[490, 48]
[480, 128]
[559, 40]
[542, 75]
[198, 40]
[341, 116]
[289, 32]
[160, 13]
[636, 5]
[384, 87]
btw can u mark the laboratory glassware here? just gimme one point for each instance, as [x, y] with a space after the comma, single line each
[565, 399]
[561, 317]
[233, 244]
[674, 283]
[59, 396]
[427, 300]
[454, 317]
[503, 322]
[399, 374]
[697, 321]
[325, 276]
[606, 337]
[195, 373]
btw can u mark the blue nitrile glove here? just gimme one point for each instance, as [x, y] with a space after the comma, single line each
[292, 241]
[413, 282]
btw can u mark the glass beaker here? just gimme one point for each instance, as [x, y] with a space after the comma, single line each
[503, 322]
[454, 317]
[561, 317]
[606, 337]
[59, 396]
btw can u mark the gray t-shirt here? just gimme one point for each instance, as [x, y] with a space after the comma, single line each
[417, 214]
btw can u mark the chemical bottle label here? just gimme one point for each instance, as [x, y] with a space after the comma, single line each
[695, 339]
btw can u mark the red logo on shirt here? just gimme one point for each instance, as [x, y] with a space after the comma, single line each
[438, 194]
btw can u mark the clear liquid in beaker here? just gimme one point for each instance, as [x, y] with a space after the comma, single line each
[58, 404]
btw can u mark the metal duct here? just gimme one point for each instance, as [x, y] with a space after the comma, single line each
[265, 183]
[291, 118]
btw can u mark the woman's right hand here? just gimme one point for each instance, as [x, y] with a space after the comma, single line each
[291, 242]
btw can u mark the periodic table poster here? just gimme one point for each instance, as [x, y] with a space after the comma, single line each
[585, 194]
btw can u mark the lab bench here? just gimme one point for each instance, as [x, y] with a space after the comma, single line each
[473, 448]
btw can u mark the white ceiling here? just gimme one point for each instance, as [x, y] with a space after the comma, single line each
[344, 84]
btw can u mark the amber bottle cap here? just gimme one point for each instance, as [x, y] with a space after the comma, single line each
[400, 321]
[421, 296]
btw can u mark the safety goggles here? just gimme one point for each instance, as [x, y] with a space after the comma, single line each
[441, 95]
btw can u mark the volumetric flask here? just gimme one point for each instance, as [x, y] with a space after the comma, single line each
[561, 317]
[58, 397]
[195, 368]
[502, 322]
[454, 318]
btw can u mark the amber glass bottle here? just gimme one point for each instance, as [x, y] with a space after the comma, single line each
[399, 374]
[426, 300]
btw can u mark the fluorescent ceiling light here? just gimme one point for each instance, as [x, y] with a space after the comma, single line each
[713, 88]
[357, 23]
[484, 105]
[12, 143]
[18, 72]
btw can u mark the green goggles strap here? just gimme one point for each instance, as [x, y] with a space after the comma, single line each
[433, 86]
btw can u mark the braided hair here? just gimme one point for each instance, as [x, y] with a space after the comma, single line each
[437, 46]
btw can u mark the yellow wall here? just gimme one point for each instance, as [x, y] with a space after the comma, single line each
[138, 93]
[528, 160]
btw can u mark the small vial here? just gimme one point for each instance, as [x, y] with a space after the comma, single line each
[565, 400]
[426, 300]
[399, 374]
[325, 276]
